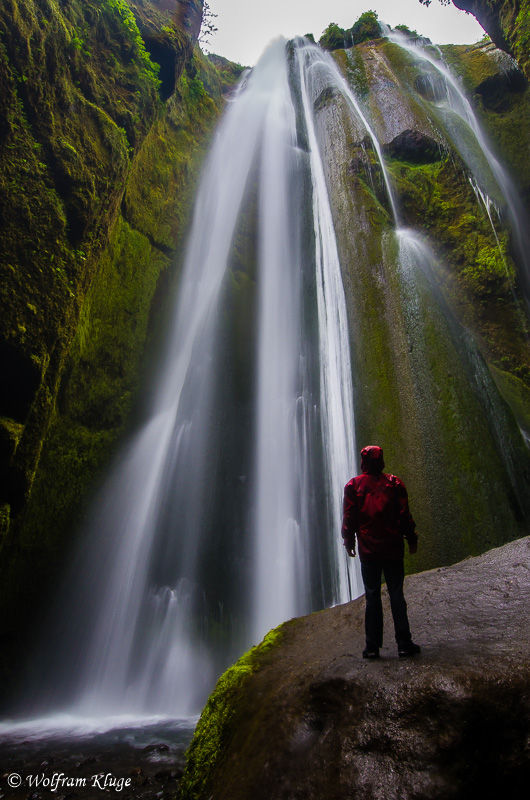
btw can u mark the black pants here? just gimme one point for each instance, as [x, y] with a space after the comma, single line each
[394, 573]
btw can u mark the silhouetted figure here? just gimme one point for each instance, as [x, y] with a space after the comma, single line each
[376, 511]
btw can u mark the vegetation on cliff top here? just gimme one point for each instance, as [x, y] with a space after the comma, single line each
[366, 28]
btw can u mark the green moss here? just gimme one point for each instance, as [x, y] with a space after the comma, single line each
[402, 62]
[417, 397]
[473, 64]
[160, 188]
[228, 72]
[521, 35]
[99, 386]
[70, 117]
[501, 102]
[148, 69]
[439, 198]
[353, 68]
[216, 724]
[10, 435]
[517, 394]
[4, 522]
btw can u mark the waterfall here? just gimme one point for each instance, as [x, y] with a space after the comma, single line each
[335, 369]
[221, 516]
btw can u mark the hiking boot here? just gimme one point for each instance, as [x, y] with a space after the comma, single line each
[409, 649]
[371, 653]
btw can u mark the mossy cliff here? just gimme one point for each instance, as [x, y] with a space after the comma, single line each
[437, 316]
[106, 114]
[508, 24]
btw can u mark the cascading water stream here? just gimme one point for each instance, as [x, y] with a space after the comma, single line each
[488, 205]
[335, 373]
[465, 128]
[418, 264]
[216, 525]
[331, 76]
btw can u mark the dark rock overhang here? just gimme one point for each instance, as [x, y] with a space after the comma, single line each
[169, 29]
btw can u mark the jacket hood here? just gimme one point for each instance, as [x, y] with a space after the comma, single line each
[372, 461]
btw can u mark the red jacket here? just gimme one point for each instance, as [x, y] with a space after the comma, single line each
[376, 510]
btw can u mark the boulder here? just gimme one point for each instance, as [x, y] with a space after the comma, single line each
[309, 718]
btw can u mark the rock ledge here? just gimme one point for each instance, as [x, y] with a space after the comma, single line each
[308, 718]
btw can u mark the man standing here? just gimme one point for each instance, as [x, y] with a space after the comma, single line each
[376, 510]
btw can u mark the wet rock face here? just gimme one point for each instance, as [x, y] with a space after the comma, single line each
[70, 130]
[316, 721]
[415, 147]
[188, 15]
[431, 87]
[506, 22]
[497, 91]
[68, 133]
[386, 90]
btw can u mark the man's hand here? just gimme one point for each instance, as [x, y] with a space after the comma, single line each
[351, 551]
[413, 547]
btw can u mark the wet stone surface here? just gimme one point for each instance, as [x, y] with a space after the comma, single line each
[318, 721]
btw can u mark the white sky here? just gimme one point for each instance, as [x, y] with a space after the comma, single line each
[247, 26]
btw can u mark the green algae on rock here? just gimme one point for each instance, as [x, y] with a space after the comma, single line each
[219, 717]
[74, 114]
